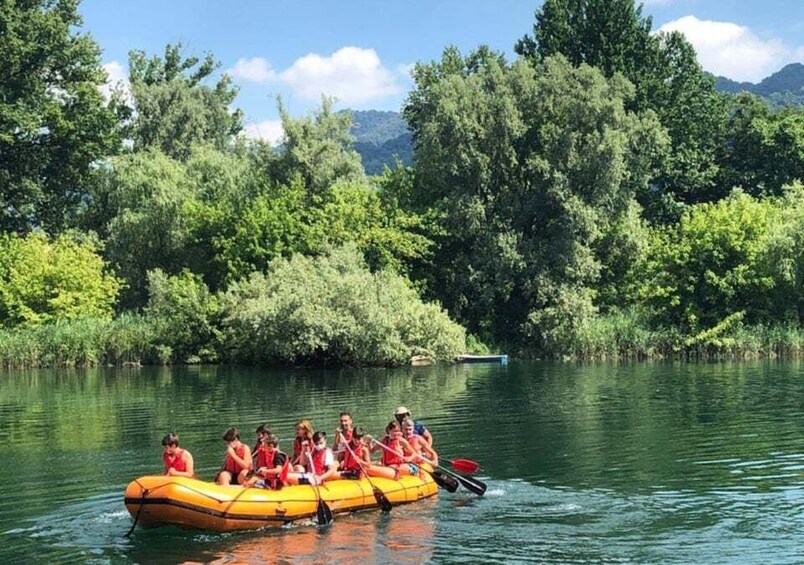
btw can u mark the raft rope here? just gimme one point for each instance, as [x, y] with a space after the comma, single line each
[145, 493]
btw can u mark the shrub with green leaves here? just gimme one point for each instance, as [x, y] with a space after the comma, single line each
[43, 280]
[333, 310]
[187, 312]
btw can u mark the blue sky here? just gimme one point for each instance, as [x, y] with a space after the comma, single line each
[360, 51]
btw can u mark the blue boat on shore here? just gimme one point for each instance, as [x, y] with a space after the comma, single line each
[497, 359]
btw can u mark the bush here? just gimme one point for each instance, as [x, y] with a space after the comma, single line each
[186, 312]
[44, 281]
[333, 310]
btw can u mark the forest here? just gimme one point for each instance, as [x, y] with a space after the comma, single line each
[593, 197]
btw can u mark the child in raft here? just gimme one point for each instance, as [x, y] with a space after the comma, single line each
[269, 464]
[397, 454]
[302, 443]
[320, 463]
[356, 456]
[178, 462]
[238, 460]
[418, 443]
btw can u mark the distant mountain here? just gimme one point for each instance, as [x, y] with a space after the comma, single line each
[782, 88]
[379, 137]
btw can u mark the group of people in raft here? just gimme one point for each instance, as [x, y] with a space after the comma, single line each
[406, 444]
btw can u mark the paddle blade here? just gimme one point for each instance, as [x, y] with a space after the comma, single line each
[382, 500]
[446, 482]
[465, 466]
[470, 483]
[323, 513]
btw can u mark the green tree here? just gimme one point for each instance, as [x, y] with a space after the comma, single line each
[708, 267]
[187, 313]
[142, 198]
[43, 280]
[317, 148]
[175, 109]
[53, 121]
[764, 149]
[524, 168]
[782, 258]
[615, 37]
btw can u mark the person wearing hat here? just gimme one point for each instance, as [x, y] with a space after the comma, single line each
[419, 429]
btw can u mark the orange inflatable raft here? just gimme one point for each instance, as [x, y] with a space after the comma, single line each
[190, 503]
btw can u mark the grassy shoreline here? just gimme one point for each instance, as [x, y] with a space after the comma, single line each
[134, 339]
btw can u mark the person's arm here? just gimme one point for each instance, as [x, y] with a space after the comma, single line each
[188, 464]
[244, 461]
[428, 438]
[430, 453]
[331, 465]
[365, 454]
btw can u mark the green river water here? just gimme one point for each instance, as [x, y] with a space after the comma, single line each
[642, 463]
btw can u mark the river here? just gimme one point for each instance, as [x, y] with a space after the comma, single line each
[659, 462]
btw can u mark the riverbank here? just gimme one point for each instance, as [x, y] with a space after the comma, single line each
[137, 340]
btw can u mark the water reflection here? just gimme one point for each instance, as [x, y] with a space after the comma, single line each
[368, 539]
[645, 462]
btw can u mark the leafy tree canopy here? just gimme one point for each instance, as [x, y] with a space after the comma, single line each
[43, 280]
[615, 37]
[53, 121]
[174, 108]
[524, 168]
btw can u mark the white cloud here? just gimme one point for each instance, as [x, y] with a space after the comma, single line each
[352, 75]
[269, 130]
[117, 77]
[255, 69]
[731, 50]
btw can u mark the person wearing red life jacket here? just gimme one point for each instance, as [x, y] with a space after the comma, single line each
[320, 463]
[302, 443]
[397, 456]
[270, 464]
[356, 457]
[417, 442]
[238, 460]
[262, 431]
[343, 434]
[178, 462]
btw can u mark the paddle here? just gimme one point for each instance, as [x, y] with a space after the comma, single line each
[470, 483]
[379, 495]
[322, 511]
[464, 465]
[447, 483]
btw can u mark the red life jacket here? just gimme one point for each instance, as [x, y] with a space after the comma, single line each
[389, 458]
[265, 458]
[175, 462]
[318, 456]
[233, 466]
[353, 461]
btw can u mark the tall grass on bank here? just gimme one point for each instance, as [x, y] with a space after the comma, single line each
[84, 342]
[626, 335]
